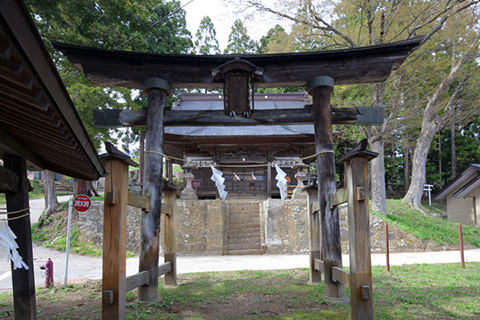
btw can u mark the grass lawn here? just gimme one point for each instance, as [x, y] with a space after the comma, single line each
[428, 227]
[407, 292]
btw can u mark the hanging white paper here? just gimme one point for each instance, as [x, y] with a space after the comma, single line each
[8, 244]
[281, 182]
[253, 177]
[219, 182]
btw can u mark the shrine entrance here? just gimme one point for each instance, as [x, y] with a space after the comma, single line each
[239, 76]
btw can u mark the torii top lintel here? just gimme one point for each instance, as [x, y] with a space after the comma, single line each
[347, 66]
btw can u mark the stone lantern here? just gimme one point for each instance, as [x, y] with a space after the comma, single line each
[188, 193]
[301, 176]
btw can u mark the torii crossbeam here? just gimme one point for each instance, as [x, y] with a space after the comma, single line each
[238, 75]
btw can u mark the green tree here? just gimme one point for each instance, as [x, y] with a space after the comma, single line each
[276, 40]
[239, 41]
[206, 37]
[143, 25]
[359, 23]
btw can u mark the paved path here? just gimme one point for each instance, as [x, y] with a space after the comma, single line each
[81, 267]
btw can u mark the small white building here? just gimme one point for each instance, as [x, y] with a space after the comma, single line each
[463, 197]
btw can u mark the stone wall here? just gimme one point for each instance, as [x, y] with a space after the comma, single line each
[284, 226]
[90, 225]
[200, 228]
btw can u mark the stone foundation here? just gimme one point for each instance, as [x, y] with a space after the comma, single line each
[90, 225]
[200, 227]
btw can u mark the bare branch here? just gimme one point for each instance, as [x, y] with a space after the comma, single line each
[323, 25]
[440, 23]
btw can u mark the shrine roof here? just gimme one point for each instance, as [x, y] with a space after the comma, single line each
[264, 101]
[242, 131]
[37, 117]
[345, 66]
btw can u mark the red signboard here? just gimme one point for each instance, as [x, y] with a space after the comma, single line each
[82, 203]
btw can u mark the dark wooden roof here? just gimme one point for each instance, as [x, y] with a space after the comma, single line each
[114, 153]
[348, 66]
[239, 134]
[37, 118]
[464, 183]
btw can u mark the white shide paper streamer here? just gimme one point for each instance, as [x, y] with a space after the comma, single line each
[219, 182]
[281, 182]
[8, 244]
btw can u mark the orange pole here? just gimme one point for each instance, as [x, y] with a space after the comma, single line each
[460, 236]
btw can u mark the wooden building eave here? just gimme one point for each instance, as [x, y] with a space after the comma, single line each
[37, 117]
[346, 66]
[471, 173]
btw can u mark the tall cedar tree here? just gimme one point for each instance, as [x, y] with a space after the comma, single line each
[239, 41]
[206, 37]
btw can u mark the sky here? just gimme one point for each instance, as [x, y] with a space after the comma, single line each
[223, 13]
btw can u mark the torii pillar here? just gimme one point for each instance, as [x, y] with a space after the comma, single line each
[321, 88]
[156, 89]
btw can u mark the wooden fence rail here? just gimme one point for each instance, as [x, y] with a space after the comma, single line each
[318, 265]
[341, 275]
[137, 280]
[143, 278]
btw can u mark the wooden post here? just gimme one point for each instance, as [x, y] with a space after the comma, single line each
[156, 89]
[360, 281]
[269, 180]
[315, 233]
[8, 180]
[23, 280]
[114, 238]
[170, 247]
[320, 89]
[169, 169]
[460, 236]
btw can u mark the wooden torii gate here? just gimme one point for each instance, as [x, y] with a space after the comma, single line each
[238, 75]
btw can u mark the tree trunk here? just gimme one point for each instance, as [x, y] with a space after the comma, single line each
[84, 187]
[414, 195]
[406, 168]
[440, 155]
[51, 202]
[453, 150]
[430, 124]
[141, 159]
[377, 172]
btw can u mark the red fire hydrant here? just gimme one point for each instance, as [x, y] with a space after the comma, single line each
[48, 267]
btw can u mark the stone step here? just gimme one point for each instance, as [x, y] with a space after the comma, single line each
[243, 232]
[243, 225]
[244, 235]
[245, 252]
[245, 213]
[243, 245]
[250, 238]
[236, 246]
[243, 216]
[244, 220]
